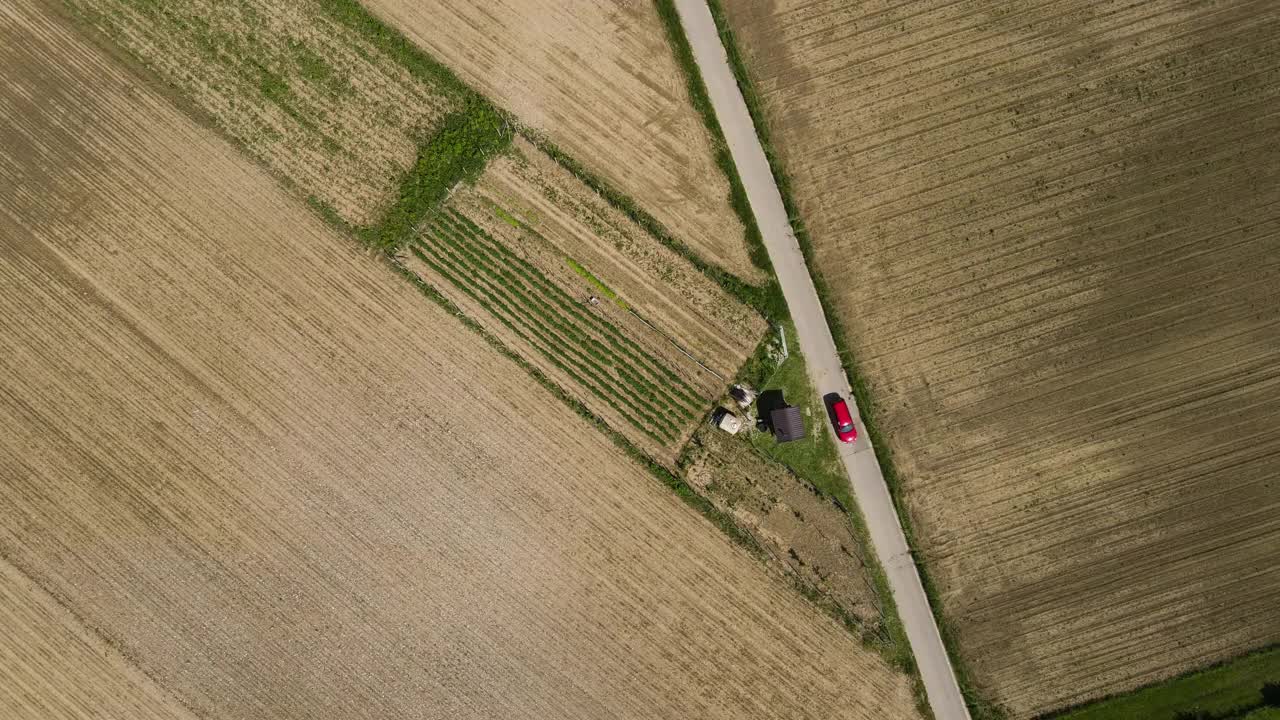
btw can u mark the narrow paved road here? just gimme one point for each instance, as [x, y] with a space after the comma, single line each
[819, 350]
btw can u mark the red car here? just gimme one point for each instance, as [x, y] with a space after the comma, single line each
[844, 421]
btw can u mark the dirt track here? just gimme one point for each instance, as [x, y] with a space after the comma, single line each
[244, 460]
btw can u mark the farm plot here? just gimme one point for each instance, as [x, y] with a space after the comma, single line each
[1053, 232]
[321, 105]
[600, 81]
[648, 354]
[243, 460]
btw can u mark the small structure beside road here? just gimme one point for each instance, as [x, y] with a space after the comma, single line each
[787, 423]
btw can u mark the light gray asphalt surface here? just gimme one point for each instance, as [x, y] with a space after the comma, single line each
[865, 477]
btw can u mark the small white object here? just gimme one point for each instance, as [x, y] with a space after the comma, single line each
[730, 423]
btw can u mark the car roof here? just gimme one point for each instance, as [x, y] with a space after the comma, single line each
[842, 411]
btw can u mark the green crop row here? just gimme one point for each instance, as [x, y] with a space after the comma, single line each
[499, 280]
[534, 300]
[619, 341]
[581, 324]
[722, 520]
[473, 281]
[519, 325]
[596, 282]
[457, 271]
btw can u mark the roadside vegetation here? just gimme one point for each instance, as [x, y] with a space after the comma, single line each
[815, 461]
[980, 707]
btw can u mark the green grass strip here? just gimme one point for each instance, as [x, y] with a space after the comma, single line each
[1228, 690]
[597, 283]
[456, 153]
[767, 299]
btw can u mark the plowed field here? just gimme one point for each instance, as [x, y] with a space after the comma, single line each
[250, 473]
[599, 80]
[1054, 235]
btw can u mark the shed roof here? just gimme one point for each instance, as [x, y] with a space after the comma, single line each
[787, 423]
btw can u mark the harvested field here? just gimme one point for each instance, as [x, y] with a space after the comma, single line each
[51, 668]
[245, 461]
[1054, 234]
[525, 250]
[598, 80]
[322, 106]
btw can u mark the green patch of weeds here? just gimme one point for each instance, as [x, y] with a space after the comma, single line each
[597, 283]
[456, 153]
[507, 218]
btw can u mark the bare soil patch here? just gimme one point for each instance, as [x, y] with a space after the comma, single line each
[598, 80]
[247, 461]
[1053, 232]
[805, 534]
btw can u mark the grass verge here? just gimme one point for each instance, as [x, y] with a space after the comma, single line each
[980, 707]
[814, 457]
[817, 463]
[1228, 690]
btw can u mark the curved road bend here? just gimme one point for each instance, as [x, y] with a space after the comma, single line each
[819, 350]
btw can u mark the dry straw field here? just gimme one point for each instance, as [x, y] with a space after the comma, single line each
[599, 80]
[525, 250]
[250, 473]
[1053, 233]
[327, 110]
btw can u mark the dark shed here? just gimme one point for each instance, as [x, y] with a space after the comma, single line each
[787, 423]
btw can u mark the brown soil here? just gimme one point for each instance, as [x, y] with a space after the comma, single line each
[600, 81]
[1053, 231]
[805, 534]
[249, 473]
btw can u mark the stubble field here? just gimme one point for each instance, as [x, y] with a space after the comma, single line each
[1053, 236]
[248, 473]
[326, 109]
[598, 80]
